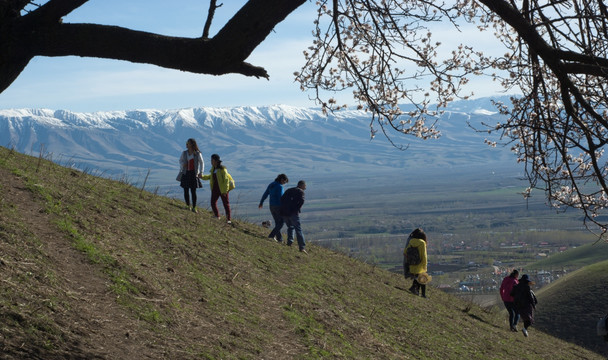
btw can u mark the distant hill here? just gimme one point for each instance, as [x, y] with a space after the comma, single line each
[254, 142]
[570, 307]
[574, 258]
[97, 269]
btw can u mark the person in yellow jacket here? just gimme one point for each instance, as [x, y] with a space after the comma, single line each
[220, 183]
[418, 241]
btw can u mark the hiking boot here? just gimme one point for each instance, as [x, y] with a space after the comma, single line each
[525, 331]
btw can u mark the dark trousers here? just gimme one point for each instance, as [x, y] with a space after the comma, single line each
[215, 195]
[419, 287]
[293, 224]
[187, 198]
[278, 223]
[513, 314]
[189, 183]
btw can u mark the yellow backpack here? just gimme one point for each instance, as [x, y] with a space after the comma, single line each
[231, 184]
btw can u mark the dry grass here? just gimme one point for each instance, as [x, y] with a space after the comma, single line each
[94, 268]
[570, 307]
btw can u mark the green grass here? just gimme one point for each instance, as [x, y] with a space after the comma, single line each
[570, 307]
[583, 255]
[86, 262]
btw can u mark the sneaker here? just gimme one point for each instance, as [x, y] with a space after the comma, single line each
[228, 222]
[194, 210]
[525, 331]
[414, 291]
[303, 251]
[289, 243]
[514, 328]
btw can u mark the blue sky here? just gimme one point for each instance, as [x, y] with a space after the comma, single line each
[88, 84]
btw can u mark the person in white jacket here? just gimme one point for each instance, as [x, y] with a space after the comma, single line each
[192, 166]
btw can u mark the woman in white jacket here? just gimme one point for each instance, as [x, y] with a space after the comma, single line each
[191, 166]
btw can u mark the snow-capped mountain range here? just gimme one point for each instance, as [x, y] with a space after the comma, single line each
[253, 142]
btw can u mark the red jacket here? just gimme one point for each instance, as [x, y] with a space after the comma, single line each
[505, 288]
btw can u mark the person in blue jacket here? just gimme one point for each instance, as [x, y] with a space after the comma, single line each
[275, 191]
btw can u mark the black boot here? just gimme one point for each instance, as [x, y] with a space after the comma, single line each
[414, 288]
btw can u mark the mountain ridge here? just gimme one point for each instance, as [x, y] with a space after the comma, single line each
[254, 142]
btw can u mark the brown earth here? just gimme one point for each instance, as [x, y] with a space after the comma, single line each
[145, 290]
[93, 325]
[93, 319]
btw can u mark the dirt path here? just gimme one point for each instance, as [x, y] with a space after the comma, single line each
[94, 315]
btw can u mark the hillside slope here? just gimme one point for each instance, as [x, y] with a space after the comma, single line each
[570, 307]
[581, 256]
[97, 269]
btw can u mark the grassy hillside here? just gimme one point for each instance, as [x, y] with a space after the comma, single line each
[98, 269]
[583, 255]
[570, 307]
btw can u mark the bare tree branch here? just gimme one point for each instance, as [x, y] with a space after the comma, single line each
[41, 33]
[210, 15]
[187, 54]
[559, 128]
[54, 10]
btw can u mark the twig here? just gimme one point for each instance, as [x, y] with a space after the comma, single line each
[212, 7]
[10, 283]
[151, 300]
[144, 184]
[40, 157]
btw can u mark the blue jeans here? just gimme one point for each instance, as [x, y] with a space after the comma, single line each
[293, 223]
[278, 223]
[513, 314]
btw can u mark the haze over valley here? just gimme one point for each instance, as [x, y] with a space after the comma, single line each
[357, 185]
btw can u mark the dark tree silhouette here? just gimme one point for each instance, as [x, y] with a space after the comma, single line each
[40, 31]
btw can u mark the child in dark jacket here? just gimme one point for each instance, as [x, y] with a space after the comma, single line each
[525, 301]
